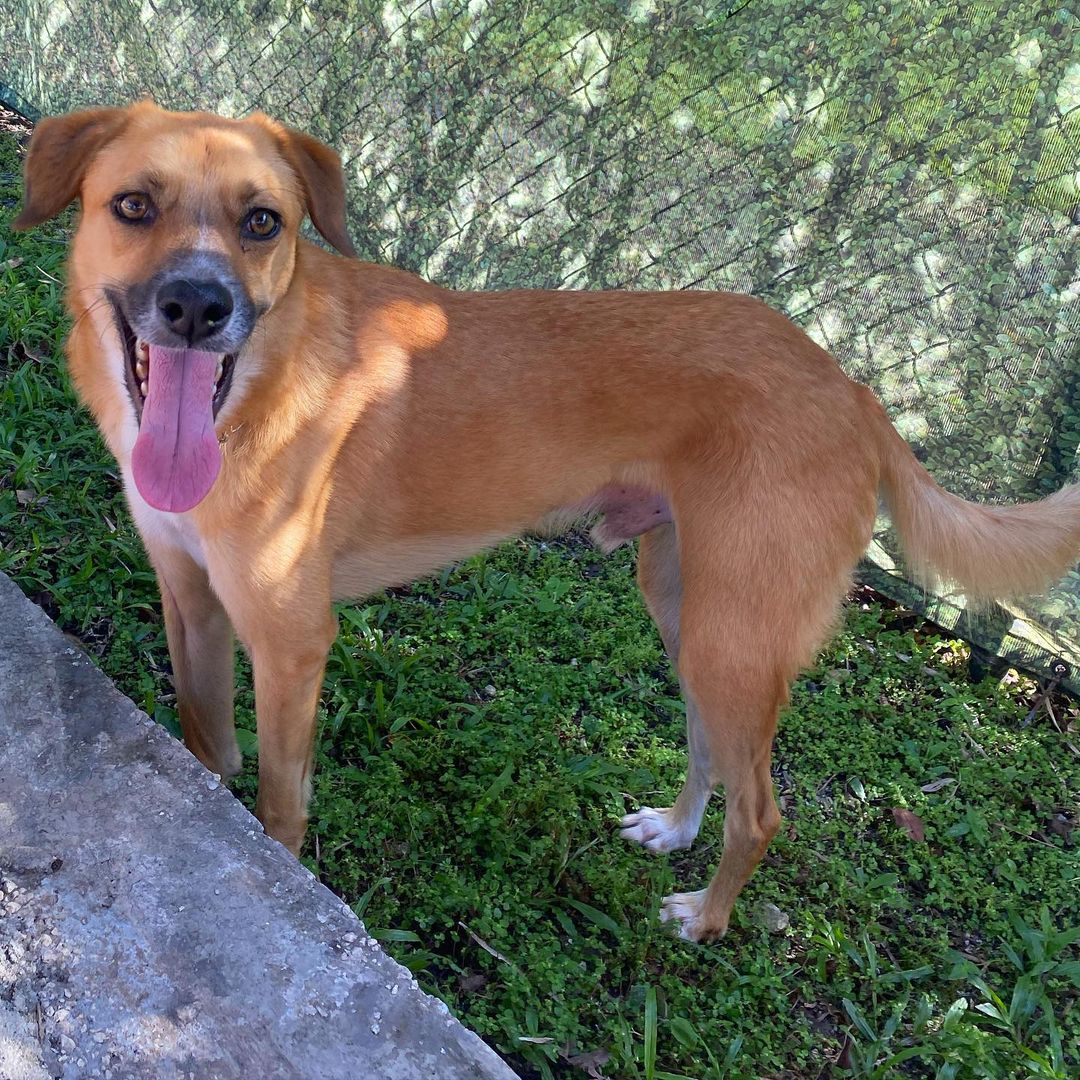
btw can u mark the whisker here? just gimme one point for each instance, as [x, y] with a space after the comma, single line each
[115, 283]
[89, 310]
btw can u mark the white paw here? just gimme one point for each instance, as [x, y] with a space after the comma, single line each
[685, 909]
[656, 830]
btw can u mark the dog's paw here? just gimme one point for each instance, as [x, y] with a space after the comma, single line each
[656, 831]
[685, 911]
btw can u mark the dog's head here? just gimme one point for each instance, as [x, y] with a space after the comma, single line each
[187, 237]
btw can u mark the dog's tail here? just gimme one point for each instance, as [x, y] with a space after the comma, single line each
[991, 552]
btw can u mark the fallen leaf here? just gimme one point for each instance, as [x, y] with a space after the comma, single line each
[844, 1059]
[22, 353]
[592, 1063]
[911, 823]
[937, 785]
[539, 1040]
[1061, 825]
[472, 983]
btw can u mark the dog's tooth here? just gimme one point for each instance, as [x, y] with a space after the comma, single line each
[144, 388]
[220, 371]
[140, 369]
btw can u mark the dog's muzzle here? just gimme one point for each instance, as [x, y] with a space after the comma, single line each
[182, 330]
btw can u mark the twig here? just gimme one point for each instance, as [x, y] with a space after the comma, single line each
[974, 744]
[1028, 836]
[46, 274]
[484, 945]
[1058, 671]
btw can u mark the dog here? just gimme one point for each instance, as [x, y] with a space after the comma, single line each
[295, 427]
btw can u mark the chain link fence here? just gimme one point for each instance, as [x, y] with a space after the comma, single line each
[902, 178]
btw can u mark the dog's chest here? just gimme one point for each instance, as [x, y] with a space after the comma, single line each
[159, 529]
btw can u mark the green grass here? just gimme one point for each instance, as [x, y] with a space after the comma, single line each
[483, 731]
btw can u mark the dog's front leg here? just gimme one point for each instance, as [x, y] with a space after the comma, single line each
[201, 650]
[287, 689]
[288, 637]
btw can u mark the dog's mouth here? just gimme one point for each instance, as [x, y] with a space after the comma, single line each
[137, 351]
[176, 393]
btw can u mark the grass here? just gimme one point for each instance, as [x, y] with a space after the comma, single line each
[482, 731]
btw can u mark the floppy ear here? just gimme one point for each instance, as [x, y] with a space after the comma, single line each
[319, 169]
[60, 151]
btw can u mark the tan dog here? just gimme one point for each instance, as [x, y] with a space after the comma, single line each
[294, 427]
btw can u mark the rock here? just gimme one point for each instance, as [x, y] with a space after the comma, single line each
[776, 921]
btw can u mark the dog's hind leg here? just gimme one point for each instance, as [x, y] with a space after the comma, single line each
[660, 580]
[739, 698]
[763, 570]
[201, 650]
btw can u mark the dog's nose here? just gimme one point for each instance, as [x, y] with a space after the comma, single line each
[194, 309]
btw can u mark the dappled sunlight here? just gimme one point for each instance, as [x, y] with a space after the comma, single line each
[333, 407]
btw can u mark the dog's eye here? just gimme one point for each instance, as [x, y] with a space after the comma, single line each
[262, 224]
[134, 206]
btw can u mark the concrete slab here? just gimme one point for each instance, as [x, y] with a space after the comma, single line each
[148, 927]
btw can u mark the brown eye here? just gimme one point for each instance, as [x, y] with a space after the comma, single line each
[261, 224]
[134, 206]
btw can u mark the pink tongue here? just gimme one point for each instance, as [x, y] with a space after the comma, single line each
[176, 457]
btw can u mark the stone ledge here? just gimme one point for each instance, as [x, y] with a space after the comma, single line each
[151, 929]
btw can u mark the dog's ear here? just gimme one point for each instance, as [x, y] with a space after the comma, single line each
[319, 169]
[61, 148]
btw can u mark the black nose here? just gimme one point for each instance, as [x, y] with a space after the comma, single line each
[194, 309]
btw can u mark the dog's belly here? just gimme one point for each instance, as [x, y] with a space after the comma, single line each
[360, 573]
[625, 511]
[628, 511]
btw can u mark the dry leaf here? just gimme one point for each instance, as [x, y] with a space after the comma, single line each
[937, 785]
[21, 353]
[911, 823]
[844, 1058]
[591, 1062]
[1061, 825]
